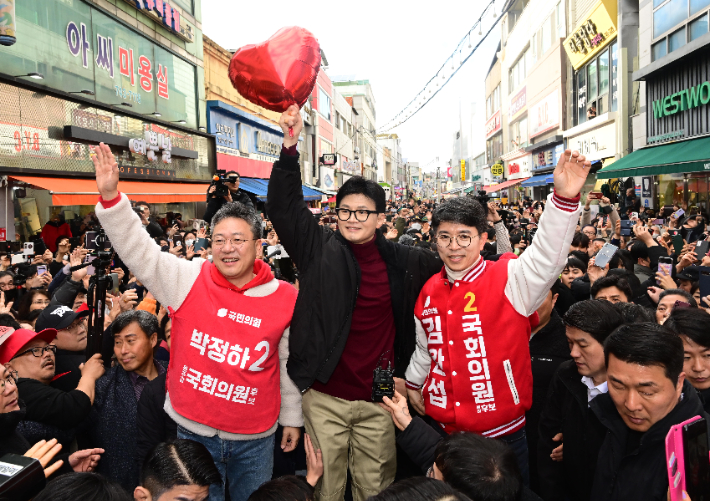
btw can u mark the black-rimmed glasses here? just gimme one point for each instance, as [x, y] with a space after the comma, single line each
[38, 351]
[361, 215]
[10, 379]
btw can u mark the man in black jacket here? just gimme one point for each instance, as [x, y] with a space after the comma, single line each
[234, 194]
[647, 395]
[355, 311]
[566, 422]
[153, 228]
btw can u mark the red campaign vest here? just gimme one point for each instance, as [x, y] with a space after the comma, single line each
[224, 359]
[480, 378]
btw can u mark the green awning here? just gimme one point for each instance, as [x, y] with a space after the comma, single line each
[672, 158]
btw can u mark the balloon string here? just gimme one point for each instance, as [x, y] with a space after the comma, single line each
[290, 132]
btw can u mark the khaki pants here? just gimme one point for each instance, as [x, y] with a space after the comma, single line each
[357, 435]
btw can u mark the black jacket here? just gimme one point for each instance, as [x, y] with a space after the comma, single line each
[329, 278]
[152, 422]
[567, 412]
[642, 474]
[52, 406]
[113, 427]
[154, 229]
[419, 440]
[216, 203]
[548, 349]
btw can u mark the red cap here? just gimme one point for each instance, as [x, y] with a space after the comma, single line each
[83, 307]
[12, 341]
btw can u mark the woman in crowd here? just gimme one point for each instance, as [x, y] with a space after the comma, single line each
[30, 301]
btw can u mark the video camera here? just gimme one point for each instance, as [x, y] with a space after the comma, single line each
[482, 198]
[219, 179]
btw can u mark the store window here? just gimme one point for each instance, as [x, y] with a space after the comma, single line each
[518, 72]
[698, 191]
[596, 86]
[494, 147]
[518, 134]
[670, 189]
[324, 104]
[677, 22]
[493, 102]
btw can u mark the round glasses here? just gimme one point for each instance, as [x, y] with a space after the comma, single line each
[361, 215]
[462, 240]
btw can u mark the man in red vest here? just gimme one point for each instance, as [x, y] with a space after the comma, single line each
[227, 385]
[471, 369]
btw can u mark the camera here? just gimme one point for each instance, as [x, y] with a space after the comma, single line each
[382, 382]
[482, 198]
[220, 178]
[138, 210]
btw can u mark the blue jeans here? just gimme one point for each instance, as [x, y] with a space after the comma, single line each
[518, 441]
[245, 465]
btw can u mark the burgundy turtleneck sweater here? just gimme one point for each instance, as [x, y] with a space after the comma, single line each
[372, 330]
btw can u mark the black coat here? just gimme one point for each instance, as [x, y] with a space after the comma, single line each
[567, 412]
[329, 278]
[152, 422]
[548, 349]
[640, 475]
[419, 440]
[216, 203]
[113, 427]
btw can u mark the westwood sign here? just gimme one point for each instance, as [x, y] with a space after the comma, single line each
[684, 100]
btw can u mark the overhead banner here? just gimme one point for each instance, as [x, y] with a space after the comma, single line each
[593, 34]
[544, 115]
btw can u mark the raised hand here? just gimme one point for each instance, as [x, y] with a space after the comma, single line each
[571, 173]
[291, 119]
[106, 171]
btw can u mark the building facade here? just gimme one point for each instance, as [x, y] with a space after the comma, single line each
[360, 96]
[83, 72]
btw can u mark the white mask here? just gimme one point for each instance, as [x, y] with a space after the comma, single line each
[66, 257]
[189, 242]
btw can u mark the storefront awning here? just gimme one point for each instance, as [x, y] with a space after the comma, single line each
[66, 191]
[504, 185]
[539, 180]
[260, 188]
[683, 156]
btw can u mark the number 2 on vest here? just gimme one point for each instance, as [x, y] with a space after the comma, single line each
[469, 306]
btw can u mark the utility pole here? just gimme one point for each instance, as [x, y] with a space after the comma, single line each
[438, 186]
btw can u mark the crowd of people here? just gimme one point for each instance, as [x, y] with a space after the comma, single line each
[408, 350]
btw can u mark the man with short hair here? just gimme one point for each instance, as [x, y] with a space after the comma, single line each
[471, 370]
[647, 395]
[642, 261]
[153, 228]
[32, 355]
[667, 300]
[230, 336]
[234, 194]
[613, 288]
[113, 420]
[354, 313]
[181, 470]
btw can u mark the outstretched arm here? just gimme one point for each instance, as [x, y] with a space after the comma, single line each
[167, 277]
[531, 276]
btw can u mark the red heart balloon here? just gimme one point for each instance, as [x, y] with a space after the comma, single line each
[279, 72]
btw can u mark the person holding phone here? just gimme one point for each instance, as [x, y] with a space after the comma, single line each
[647, 394]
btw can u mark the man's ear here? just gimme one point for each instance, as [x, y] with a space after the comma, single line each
[154, 339]
[142, 494]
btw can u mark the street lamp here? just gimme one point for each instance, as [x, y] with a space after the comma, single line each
[83, 91]
[36, 76]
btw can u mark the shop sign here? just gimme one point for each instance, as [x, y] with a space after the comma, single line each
[544, 115]
[547, 158]
[497, 169]
[263, 145]
[328, 159]
[350, 166]
[517, 104]
[476, 178]
[593, 34]
[150, 145]
[27, 140]
[170, 17]
[493, 124]
[665, 137]
[327, 178]
[519, 167]
[3, 234]
[463, 169]
[686, 99]
[596, 144]
[236, 138]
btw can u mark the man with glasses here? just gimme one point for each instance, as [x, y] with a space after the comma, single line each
[228, 387]
[472, 324]
[32, 355]
[355, 312]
